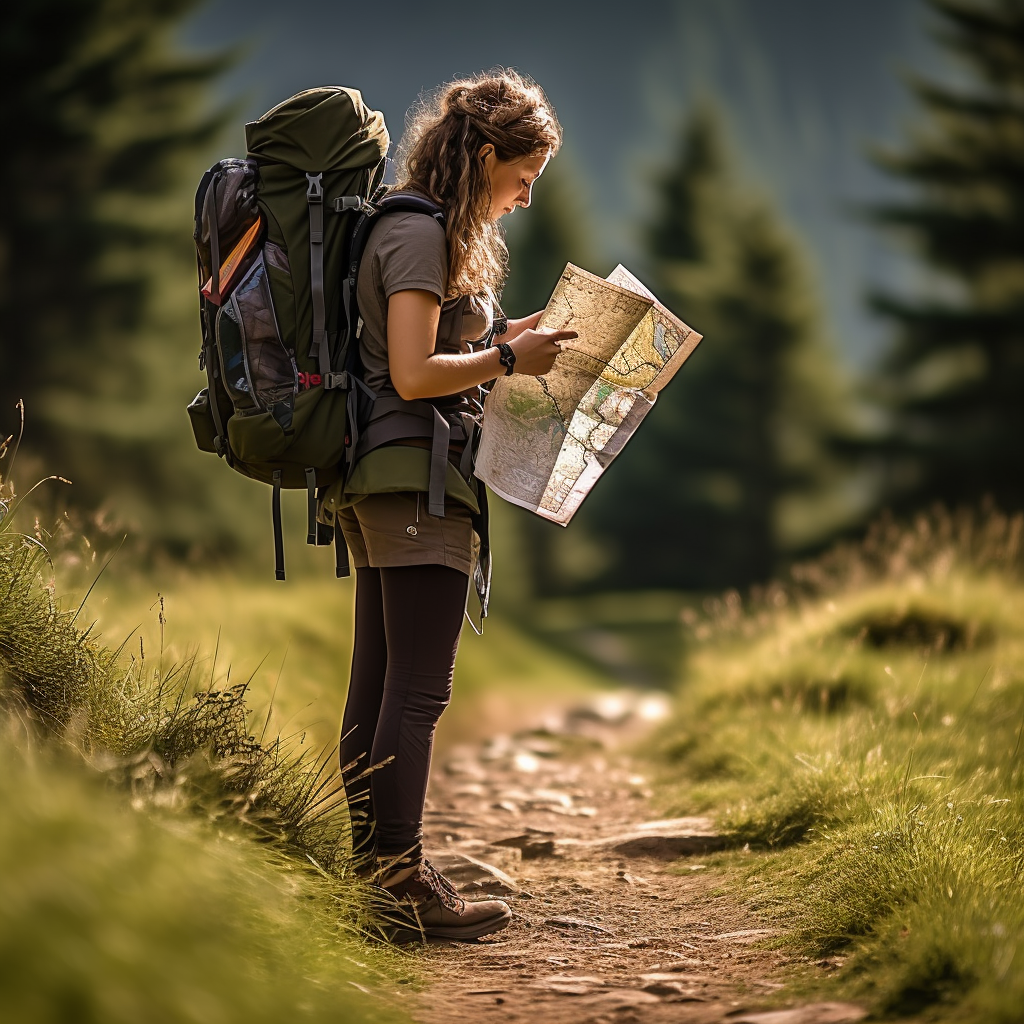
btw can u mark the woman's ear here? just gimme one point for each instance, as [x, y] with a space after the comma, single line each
[486, 150]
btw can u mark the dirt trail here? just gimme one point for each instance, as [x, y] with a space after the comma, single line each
[609, 925]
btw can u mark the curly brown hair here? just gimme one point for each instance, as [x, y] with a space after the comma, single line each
[440, 157]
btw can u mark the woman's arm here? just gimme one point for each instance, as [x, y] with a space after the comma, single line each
[418, 372]
[516, 327]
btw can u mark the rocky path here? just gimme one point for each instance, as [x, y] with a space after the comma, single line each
[610, 925]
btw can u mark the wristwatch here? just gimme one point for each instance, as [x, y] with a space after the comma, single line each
[506, 357]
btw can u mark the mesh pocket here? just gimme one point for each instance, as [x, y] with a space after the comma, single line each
[260, 374]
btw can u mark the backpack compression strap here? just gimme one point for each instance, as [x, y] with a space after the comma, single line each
[319, 349]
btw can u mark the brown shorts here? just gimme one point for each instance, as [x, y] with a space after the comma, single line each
[383, 530]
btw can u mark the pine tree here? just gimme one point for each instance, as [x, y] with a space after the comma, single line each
[954, 381]
[730, 471]
[100, 117]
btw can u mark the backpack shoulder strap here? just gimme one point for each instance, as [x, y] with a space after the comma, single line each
[393, 202]
[370, 211]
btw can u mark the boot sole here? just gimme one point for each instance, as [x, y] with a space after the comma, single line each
[465, 932]
[401, 933]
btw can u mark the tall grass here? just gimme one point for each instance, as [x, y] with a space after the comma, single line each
[864, 725]
[161, 859]
[114, 915]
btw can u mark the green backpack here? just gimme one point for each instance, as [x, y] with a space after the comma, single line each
[274, 238]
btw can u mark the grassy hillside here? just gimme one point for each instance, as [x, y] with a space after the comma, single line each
[165, 855]
[161, 858]
[864, 726]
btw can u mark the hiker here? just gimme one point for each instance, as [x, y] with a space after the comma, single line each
[427, 293]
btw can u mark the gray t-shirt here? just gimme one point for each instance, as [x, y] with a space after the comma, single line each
[408, 251]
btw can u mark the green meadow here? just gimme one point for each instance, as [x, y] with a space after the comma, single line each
[860, 733]
[176, 846]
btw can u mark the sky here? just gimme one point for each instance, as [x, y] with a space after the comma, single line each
[807, 86]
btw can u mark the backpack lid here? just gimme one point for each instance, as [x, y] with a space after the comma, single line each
[325, 129]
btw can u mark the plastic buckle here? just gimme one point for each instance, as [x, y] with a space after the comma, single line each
[336, 379]
[315, 189]
[343, 203]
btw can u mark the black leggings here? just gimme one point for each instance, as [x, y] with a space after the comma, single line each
[408, 620]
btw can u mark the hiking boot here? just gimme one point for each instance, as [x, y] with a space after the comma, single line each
[428, 905]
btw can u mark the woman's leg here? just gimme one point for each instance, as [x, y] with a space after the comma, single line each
[423, 607]
[362, 707]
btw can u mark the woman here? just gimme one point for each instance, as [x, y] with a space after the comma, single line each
[426, 292]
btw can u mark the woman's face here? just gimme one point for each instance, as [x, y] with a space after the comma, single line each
[511, 181]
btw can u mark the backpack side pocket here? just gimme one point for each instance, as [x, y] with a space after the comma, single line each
[201, 416]
[259, 372]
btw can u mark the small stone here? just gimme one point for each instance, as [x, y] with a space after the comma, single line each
[813, 1013]
[524, 761]
[465, 766]
[569, 984]
[539, 746]
[549, 798]
[618, 999]
[683, 964]
[472, 875]
[532, 844]
[657, 976]
[672, 988]
[675, 837]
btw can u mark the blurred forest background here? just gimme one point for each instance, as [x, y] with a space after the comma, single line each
[833, 194]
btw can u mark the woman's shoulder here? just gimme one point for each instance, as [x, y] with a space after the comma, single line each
[406, 227]
[409, 251]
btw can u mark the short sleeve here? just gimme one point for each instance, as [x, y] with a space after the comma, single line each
[413, 254]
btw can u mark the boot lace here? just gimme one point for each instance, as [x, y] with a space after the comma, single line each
[446, 893]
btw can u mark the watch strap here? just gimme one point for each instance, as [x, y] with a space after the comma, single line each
[506, 356]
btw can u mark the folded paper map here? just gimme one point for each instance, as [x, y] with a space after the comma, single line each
[546, 440]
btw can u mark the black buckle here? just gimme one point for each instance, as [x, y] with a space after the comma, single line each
[315, 189]
[336, 379]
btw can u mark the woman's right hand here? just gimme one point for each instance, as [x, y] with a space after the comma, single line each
[536, 350]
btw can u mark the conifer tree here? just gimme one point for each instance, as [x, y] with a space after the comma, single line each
[730, 471]
[954, 380]
[100, 117]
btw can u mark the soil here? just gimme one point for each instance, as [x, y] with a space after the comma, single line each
[609, 923]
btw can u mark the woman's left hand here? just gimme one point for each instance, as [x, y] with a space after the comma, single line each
[516, 327]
